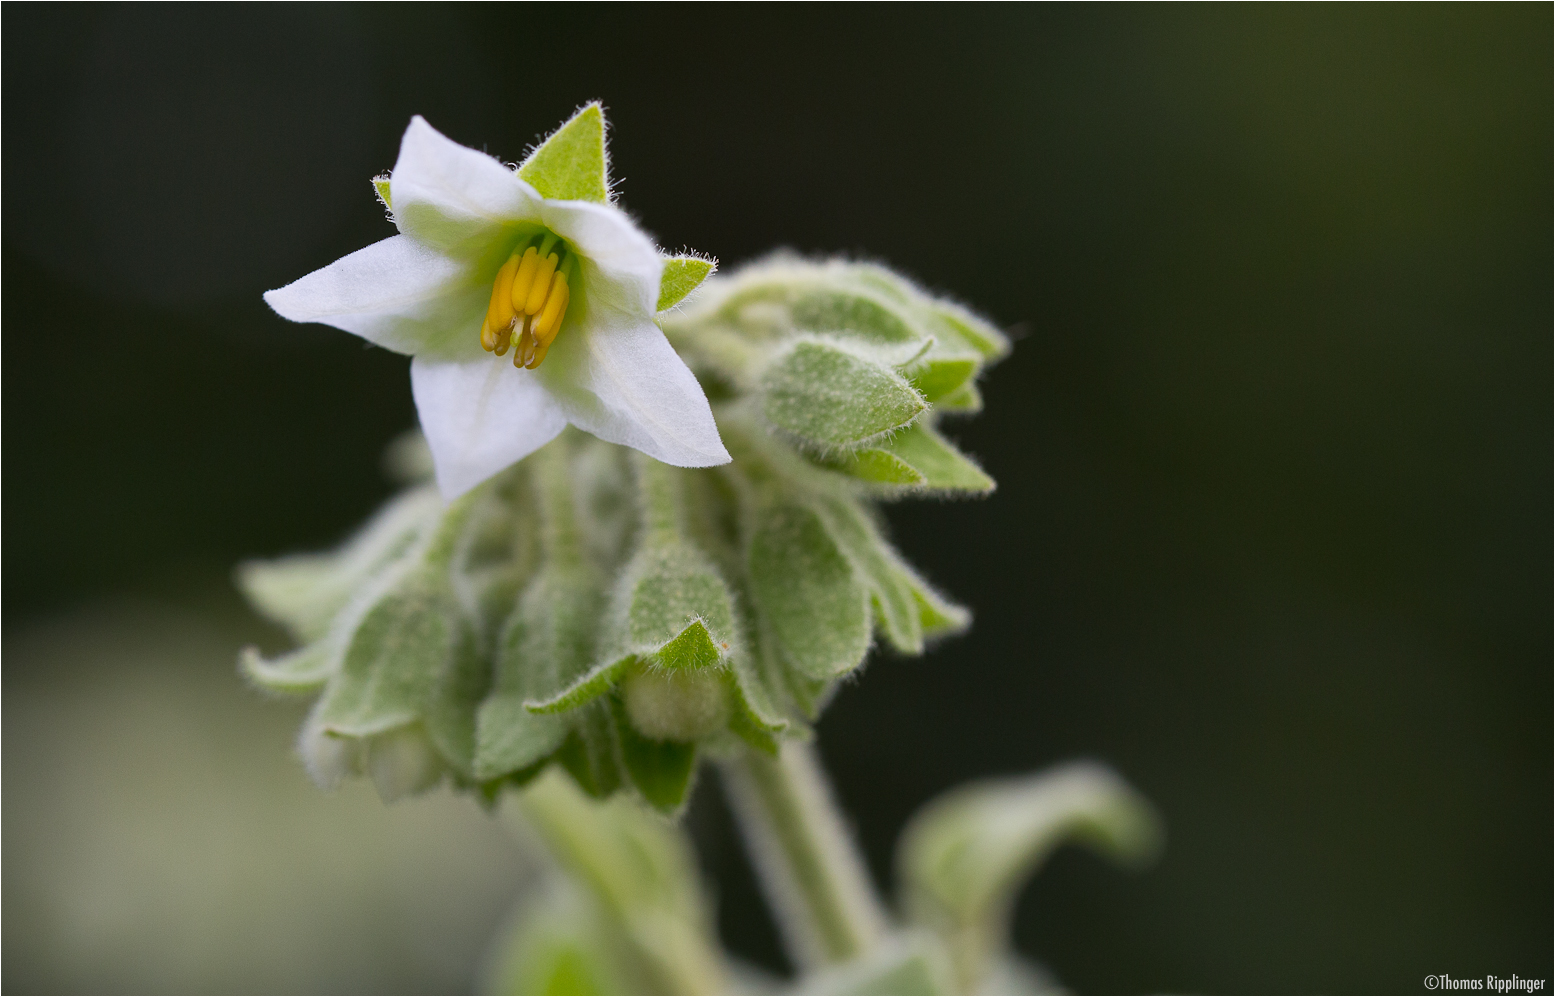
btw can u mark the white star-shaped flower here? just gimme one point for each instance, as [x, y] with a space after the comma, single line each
[537, 261]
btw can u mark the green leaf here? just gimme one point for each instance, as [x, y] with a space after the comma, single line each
[304, 670]
[752, 717]
[450, 714]
[917, 457]
[388, 671]
[682, 275]
[910, 963]
[304, 592]
[381, 188]
[590, 752]
[571, 165]
[935, 378]
[896, 612]
[807, 592]
[986, 337]
[660, 770]
[963, 857]
[672, 606]
[937, 615]
[547, 645]
[834, 399]
[966, 399]
[585, 689]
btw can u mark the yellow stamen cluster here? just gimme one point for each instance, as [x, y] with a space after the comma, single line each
[528, 302]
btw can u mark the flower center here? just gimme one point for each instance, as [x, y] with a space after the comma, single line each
[529, 300]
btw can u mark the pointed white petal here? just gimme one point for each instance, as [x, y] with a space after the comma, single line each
[395, 293]
[480, 416]
[613, 247]
[452, 198]
[616, 376]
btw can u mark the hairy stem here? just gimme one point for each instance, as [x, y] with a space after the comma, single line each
[809, 867]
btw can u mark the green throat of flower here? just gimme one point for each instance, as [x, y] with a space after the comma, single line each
[529, 299]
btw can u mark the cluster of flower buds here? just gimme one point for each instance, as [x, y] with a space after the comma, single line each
[593, 607]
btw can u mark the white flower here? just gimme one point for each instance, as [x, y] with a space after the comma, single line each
[443, 286]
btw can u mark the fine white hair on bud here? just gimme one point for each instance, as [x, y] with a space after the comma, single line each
[676, 706]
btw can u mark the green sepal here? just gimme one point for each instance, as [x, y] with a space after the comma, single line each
[682, 275]
[304, 670]
[390, 666]
[590, 754]
[935, 379]
[834, 399]
[785, 297]
[381, 188]
[547, 645]
[672, 608]
[807, 592]
[585, 689]
[917, 457]
[896, 612]
[571, 164]
[752, 716]
[661, 771]
[982, 334]
[965, 400]
[937, 615]
[305, 592]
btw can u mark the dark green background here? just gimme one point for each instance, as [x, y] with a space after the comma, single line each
[1273, 529]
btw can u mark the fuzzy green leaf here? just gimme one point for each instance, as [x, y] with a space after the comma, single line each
[965, 399]
[590, 752]
[936, 378]
[304, 592]
[965, 855]
[660, 770]
[585, 689]
[682, 275]
[896, 612]
[389, 668]
[834, 399]
[672, 595]
[571, 164]
[304, 670]
[548, 644]
[917, 457]
[808, 593]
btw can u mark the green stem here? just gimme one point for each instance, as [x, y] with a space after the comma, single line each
[809, 867]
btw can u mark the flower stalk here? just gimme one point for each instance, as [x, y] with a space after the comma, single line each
[810, 870]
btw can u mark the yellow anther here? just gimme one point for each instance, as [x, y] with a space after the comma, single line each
[550, 320]
[541, 288]
[499, 312]
[524, 347]
[505, 338]
[524, 279]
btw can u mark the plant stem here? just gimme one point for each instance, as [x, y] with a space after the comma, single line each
[809, 867]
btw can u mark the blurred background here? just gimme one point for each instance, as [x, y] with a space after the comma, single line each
[1272, 534]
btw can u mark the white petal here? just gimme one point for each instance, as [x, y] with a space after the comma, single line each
[616, 376]
[395, 293]
[453, 198]
[480, 416]
[608, 239]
